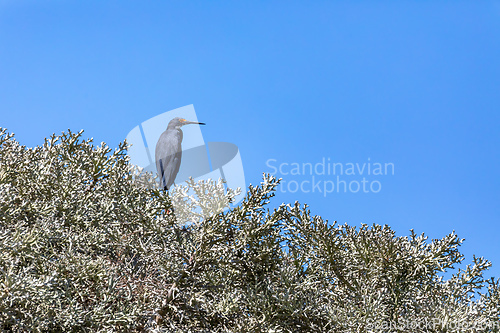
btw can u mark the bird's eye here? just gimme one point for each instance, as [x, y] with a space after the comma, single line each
[182, 120]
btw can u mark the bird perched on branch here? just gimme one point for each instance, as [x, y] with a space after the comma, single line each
[168, 151]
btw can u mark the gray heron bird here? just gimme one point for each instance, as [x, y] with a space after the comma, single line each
[168, 151]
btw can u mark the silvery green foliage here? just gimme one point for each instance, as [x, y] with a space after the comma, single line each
[87, 243]
[198, 201]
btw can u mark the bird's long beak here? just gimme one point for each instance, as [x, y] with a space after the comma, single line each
[193, 122]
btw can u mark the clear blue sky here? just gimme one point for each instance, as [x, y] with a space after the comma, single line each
[416, 84]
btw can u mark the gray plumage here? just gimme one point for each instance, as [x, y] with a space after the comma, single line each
[168, 152]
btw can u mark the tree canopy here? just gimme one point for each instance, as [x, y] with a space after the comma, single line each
[87, 244]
